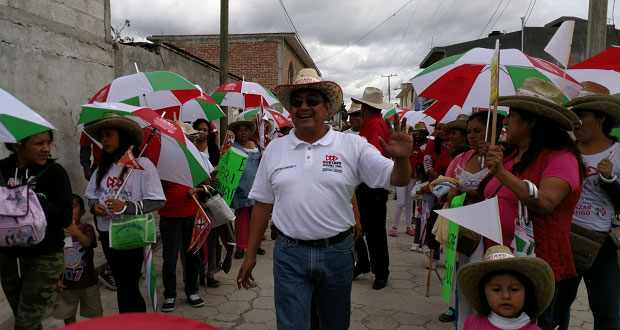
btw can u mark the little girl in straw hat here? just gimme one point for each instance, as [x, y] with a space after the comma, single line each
[508, 292]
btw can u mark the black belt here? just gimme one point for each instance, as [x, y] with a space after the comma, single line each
[320, 242]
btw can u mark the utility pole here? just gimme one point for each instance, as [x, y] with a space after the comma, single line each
[522, 31]
[389, 92]
[223, 61]
[596, 41]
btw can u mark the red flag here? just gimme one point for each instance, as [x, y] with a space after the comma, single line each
[129, 160]
[202, 226]
[229, 139]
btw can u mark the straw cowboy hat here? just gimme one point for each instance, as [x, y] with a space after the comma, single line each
[596, 97]
[355, 107]
[542, 98]
[309, 79]
[251, 125]
[459, 123]
[421, 127]
[188, 130]
[373, 97]
[134, 131]
[500, 257]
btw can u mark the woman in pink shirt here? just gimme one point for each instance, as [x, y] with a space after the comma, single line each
[542, 176]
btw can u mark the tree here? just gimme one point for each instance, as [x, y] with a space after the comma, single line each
[343, 113]
[116, 33]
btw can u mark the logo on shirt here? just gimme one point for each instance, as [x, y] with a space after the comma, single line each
[591, 171]
[332, 164]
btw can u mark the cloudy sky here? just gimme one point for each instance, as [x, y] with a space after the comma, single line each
[336, 32]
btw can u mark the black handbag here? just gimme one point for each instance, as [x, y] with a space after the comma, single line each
[585, 245]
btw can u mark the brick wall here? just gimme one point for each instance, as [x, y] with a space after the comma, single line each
[257, 62]
[290, 58]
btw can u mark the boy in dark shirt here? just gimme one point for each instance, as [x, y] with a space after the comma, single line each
[79, 282]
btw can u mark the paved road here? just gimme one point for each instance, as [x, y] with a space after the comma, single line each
[401, 306]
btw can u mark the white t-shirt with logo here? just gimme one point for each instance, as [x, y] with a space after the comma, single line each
[311, 185]
[594, 210]
[141, 185]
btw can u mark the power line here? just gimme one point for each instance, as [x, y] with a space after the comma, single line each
[531, 11]
[500, 15]
[490, 19]
[365, 35]
[289, 20]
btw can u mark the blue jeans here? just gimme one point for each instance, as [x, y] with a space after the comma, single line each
[298, 270]
[603, 286]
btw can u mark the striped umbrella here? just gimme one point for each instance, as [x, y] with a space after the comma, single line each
[175, 156]
[201, 107]
[158, 90]
[389, 114]
[243, 94]
[603, 69]
[17, 120]
[465, 79]
[278, 118]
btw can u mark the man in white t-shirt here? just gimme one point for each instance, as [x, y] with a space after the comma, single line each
[355, 119]
[306, 181]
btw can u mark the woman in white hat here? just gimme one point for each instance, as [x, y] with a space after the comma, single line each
[541, 176]
[142, 193]
[599, 203]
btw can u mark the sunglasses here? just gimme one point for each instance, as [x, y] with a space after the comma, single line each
[311, 102]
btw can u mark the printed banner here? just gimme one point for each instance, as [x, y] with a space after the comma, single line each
[495, 74]
[453, 232]
[229, 139]
[151, 276]
[202, 226]
[229, 172]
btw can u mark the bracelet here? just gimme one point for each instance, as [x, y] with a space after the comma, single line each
[123, 210]
[607, 180]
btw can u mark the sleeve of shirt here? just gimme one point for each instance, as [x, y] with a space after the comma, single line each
[563, 165]
[89, 232]
[450, 171]
[374, 169]
[373, 136]
[92, 186]
[151, 184]
[262, 191]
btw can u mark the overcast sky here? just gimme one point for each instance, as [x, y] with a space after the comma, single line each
[328, 26]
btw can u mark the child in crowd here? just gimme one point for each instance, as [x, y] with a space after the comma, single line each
[422, 207]
[79, 280]
[508, 292]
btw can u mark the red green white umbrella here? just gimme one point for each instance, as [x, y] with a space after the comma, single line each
[17, 120]
[389, 113]
[158, 90]
[243, 94]
[414, 117]
[465, 79]
[174, 155]
[201, 107]
[279, 119]
[603, 69]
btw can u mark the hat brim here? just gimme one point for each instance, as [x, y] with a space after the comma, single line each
[134, 131]
[248, 123]
[557, 113]
[607, 104]
[456, 124]
[330, 88]
[535, 269]
[382, 105]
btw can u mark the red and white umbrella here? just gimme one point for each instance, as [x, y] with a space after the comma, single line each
[279, 119]
[173, 154]
[414, 117]
[464, 79]
[603, 69]
[200, 107]
[158, 90]
[243, 94]
[389, 113]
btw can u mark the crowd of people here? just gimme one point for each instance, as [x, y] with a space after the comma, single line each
[554, 171]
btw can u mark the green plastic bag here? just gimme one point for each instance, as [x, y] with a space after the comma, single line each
[132, 232]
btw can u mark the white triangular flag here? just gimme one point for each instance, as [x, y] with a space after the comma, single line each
[481, 217]
[560, 44]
